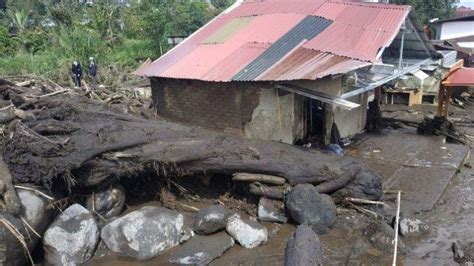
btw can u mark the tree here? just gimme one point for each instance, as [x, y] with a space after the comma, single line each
[430, 9]
[221, 5]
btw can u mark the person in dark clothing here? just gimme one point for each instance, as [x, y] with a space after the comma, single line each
[76, 73]
[374, 114]
[92, 70]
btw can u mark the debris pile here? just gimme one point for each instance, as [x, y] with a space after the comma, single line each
[89, 151]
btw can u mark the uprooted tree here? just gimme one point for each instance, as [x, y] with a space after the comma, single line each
[64, 135]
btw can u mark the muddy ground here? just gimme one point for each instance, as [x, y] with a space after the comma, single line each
[450, 219]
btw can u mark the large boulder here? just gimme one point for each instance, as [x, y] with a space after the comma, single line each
[72, 238]
[35, 211]
[144, 233]
[211, 219]
[201, 250]
[303, 248]
[107, 202]
[271, 211]
[307, 206]
[248, 233]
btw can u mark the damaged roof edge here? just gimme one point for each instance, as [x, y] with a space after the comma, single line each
[408, 12]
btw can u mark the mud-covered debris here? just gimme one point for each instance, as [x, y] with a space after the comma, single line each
[463, 252]
[303, 248]
[307, 206]
[413, 227]
[271, 211]
[35, 211]
[249, 234]
[108, 202]
[381, 236]
[211, 219]
[72, 238]
[144, 233]
[201, 250]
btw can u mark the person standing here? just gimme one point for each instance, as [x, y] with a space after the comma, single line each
[76, 73]
[92, 70]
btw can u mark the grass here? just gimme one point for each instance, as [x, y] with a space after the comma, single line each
[115, 65]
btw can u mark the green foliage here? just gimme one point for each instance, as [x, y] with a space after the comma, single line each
[430, 9]
[221, 5]
[8, 44]
[119, 37]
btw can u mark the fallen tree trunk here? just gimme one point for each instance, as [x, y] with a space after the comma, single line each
[86, 142]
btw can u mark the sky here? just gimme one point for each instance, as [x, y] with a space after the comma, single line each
[468, 3]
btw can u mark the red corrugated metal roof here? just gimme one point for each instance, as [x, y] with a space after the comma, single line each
[357, 33]
[461, 77]
[310, 64]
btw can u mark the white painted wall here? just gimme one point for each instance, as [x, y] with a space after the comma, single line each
[456, 29]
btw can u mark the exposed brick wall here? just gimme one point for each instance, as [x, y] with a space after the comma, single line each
[218, 105]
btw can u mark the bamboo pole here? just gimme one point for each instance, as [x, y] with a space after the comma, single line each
[397, 219]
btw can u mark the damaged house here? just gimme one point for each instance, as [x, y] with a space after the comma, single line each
[288, 70]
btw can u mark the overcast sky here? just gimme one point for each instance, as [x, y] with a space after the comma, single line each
[469, 3]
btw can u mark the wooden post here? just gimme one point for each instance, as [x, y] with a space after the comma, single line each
[444, 98]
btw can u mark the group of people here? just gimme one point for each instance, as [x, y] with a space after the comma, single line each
[77, 75]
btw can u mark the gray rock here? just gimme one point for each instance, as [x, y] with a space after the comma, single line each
[144, 233]
[34, 210]
[307, 206]
[303, 248]
[271, 211]
[107, 202]
[201, 250]
[72, 238]
[211, 219]
[248, 233]
[463, 253]
[381, 236]
[413, 227]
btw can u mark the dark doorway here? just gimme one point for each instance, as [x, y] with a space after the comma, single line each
[314, 121]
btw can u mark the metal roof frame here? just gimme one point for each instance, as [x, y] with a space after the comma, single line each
[318, 96]
[387, 79]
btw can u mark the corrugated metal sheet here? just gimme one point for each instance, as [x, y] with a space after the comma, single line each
[307, 29]
[234, 62]
[257, 8]
[341, 39]
[310, 64]
[258, 39]
[461, 77]
[229, 29]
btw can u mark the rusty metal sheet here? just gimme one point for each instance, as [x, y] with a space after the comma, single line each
[224, 48]
[310, 64]
[351, 41]
[460, 77]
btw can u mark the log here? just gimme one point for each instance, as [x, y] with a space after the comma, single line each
[92, 152]
[334, 184]
[261, 190]
[269, 179]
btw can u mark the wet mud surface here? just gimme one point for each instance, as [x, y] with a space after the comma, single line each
[450, 219]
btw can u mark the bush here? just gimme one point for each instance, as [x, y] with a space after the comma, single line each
[8, 44]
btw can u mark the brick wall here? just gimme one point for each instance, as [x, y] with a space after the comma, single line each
[218, 105]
